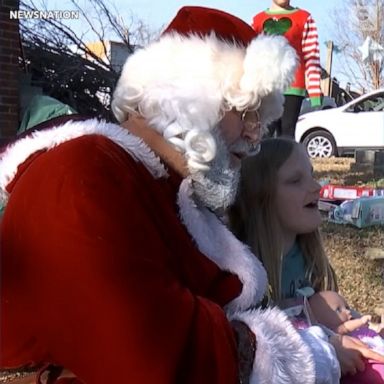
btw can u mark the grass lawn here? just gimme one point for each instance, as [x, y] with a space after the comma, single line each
[361, 280]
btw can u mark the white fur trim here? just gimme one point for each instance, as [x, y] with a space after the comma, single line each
[18, 152]
[281, 356]
[269, 65]
[269, 68]
[221, 246]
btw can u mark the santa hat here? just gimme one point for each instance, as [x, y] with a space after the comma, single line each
[203, 21]
[205, 58]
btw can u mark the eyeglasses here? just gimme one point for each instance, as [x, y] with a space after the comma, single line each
[251, 120]
[252, 123]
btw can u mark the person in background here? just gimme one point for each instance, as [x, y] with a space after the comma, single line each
[298, 26]
[115, 263]
[276, 214]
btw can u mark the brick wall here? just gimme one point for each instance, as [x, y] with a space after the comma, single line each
[9, 70]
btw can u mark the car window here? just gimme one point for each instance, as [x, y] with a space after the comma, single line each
[374, 103]
[379, 106]
[327, 103]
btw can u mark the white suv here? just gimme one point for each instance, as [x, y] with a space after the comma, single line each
[358, 124]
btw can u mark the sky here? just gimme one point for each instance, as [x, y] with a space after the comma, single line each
[159, 13]
[156, 13]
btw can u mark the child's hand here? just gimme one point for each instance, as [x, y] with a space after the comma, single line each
[365, 319]
[351, 325]
[351, 353]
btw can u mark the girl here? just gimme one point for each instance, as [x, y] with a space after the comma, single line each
[276, 214]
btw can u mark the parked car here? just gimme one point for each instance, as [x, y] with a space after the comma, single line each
[327, 103]
[358, 124]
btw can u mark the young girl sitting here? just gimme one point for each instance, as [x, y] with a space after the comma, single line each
[276, 214]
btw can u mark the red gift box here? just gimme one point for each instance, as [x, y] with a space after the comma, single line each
[340, 192]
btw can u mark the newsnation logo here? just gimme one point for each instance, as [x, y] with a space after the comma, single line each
[43, 14]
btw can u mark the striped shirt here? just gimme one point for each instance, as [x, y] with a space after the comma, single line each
[298, 26]
[311, 57]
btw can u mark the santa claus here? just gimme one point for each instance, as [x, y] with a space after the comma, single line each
[115, 262]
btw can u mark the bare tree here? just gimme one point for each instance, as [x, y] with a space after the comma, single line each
[353, 24]
[62, 61]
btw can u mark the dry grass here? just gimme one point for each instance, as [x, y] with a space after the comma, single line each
[360, 279]
[338, 171]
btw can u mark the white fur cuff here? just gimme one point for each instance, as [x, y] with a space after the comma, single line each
[281, 355]
[327, 366]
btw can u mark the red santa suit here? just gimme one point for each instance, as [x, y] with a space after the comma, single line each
[105, 259]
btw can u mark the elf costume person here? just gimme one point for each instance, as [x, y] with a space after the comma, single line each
[299, 28]
[115, 263]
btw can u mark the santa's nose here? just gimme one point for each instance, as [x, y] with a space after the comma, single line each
[252, 134]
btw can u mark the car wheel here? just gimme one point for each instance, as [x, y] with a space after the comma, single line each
[320, 144]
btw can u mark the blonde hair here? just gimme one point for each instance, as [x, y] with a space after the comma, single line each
[253, 219]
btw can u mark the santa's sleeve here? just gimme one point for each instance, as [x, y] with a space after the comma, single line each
[285, 355]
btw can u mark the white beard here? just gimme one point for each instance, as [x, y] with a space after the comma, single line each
[216, 188]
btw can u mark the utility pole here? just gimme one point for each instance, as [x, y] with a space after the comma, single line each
[328, 69]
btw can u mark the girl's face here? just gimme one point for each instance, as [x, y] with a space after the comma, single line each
[297, 195]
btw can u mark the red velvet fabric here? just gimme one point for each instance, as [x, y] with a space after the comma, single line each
[98, 274]
[202, 21]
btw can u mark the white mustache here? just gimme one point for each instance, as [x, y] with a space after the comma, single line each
[241, 146]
